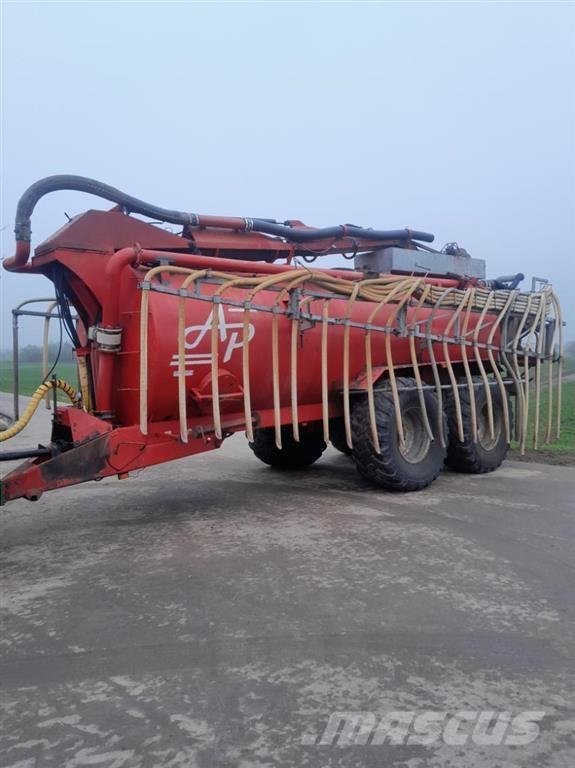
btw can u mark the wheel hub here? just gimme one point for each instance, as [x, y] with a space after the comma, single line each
[416, 440]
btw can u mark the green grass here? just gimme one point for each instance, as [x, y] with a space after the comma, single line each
[31, 376]
[566, 442]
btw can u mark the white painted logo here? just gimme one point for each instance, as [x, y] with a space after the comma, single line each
[482, 727]
[231, 335]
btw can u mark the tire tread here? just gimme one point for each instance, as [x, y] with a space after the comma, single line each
[293, 455]
[466, 456]
[383, 469]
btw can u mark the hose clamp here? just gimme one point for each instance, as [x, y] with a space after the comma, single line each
[108, 339]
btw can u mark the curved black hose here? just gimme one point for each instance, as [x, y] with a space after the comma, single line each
[348, 230]
[40, 188]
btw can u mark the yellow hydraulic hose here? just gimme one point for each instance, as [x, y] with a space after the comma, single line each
[261, 283]
[466, 367]
[550, 379]
[539, 350]
[182, 354]
[415, 362]
[532, 331]
[523, 385]
[346, 404]
[295, 333]
[389, 360]
[369, 368]
[401, 292]
[293, 357]
[556, 332]
[324, 372]
[144, 305]
[479, 326]
[42, 390]
[456, 398]
[494, 366]
[215, 371]
[559, 319]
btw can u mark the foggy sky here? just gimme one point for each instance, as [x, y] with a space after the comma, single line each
[452, 118]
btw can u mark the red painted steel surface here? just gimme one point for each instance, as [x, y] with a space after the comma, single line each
[104, 256]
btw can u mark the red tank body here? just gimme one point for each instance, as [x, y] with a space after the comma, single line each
[343, 332]
[163, 345]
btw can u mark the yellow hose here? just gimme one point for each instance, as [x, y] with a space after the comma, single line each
[559, 317]
[369, 368]
[415, 362]
[494, 366]
[467, 369]
[324, 371]
[453, 380]
[346, 404]
[539, 350]
[42, 390]
[398, 290]
[479, 326]
[389, 360]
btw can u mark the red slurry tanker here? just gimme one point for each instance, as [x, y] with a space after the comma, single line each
[409, 360]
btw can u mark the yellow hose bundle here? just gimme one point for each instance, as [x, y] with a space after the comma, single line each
[42, 390]
[530, 310]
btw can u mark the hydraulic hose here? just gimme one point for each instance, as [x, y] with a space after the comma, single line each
[36, 191]
[35, 402]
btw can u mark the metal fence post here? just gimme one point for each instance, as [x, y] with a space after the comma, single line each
[15, 371]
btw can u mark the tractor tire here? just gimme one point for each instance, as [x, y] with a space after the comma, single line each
[292, 455]
[488, 452]
[421, 459]
[337, 436]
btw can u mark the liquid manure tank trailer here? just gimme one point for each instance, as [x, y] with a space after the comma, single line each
[408, 361]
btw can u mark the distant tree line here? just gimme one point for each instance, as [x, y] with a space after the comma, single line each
[32, 353]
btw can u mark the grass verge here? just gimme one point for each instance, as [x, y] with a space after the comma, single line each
[31, 376]
[565, 445]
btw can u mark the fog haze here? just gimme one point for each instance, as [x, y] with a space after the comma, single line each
[453, 118]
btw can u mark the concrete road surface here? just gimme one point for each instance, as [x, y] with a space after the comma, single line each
[214, 612]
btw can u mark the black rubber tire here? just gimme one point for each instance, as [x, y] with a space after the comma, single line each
[390, 469]
[292, 455]
[337, 436]
[480, 457]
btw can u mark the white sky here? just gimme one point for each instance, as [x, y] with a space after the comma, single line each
[453, 118]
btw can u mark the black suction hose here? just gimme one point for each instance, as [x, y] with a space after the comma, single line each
[348, 230]
[40, 188]
[134, 205]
